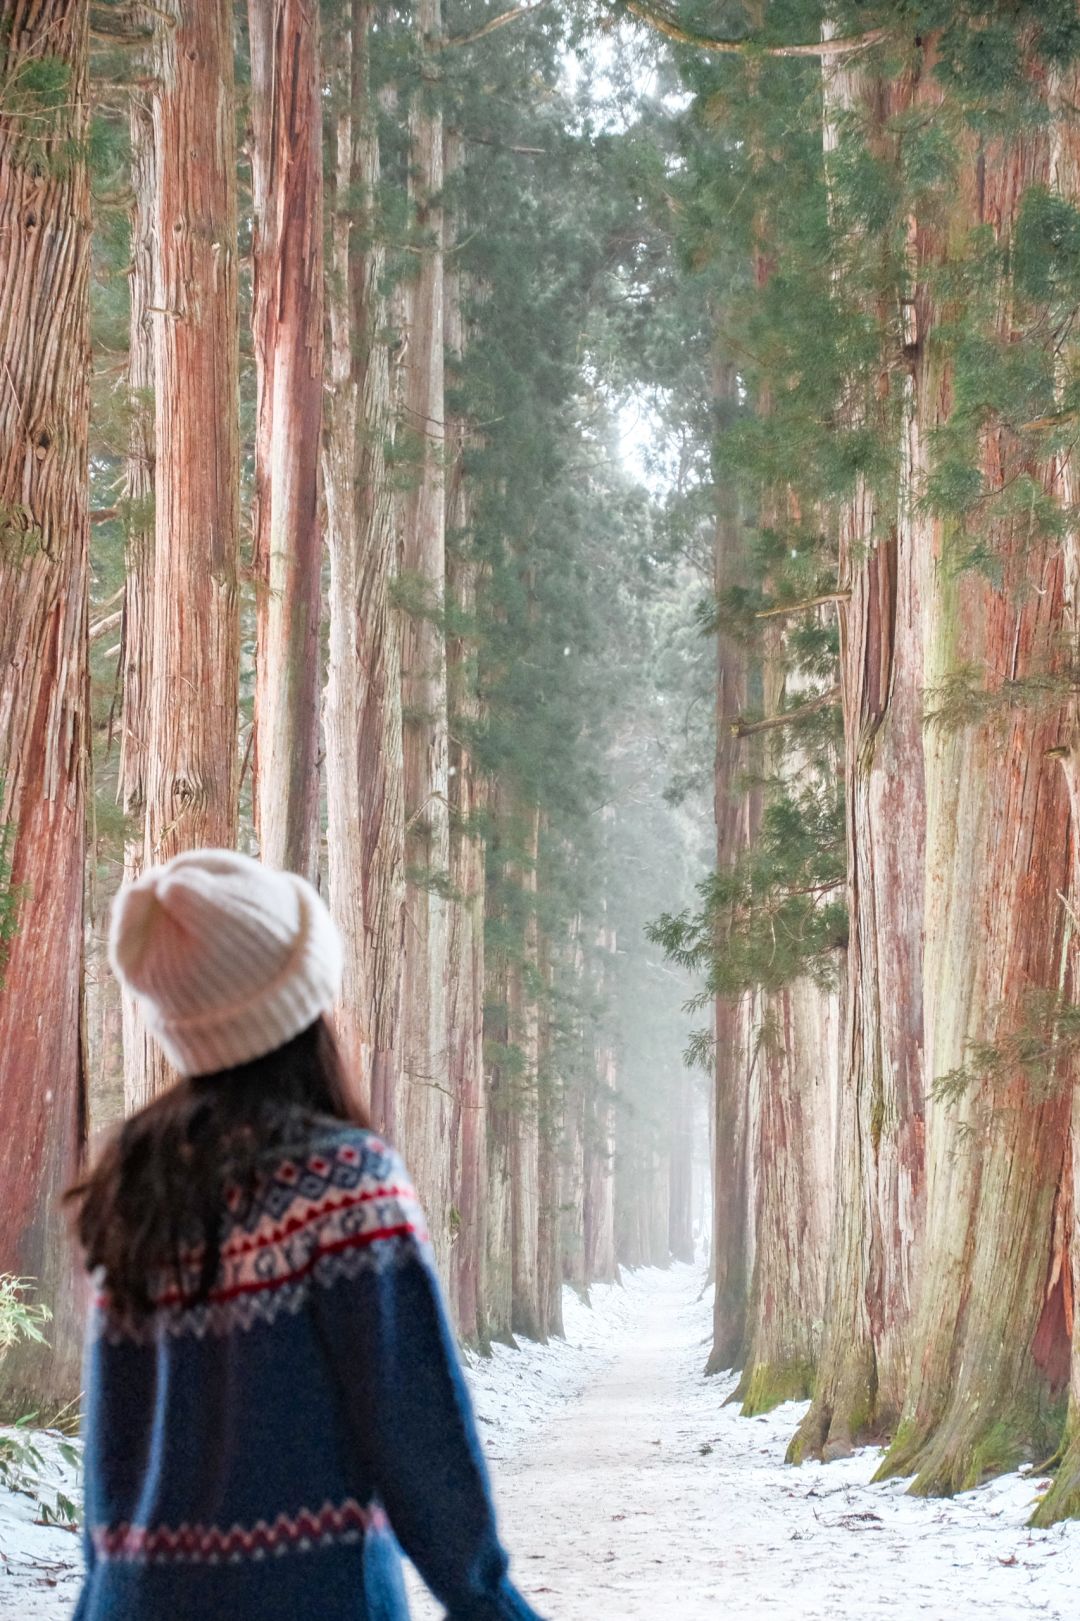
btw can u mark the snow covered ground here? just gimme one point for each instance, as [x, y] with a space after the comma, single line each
[627, 1490]
[642, 1495]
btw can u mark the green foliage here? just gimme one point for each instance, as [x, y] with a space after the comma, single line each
[11, 899]
[20, 536]
[1028, 1060]
[964, 699]
[1035, 1048]
[20, 1319]
[35, 102]
[24, 1467]
[1046, 250]
[776, 916]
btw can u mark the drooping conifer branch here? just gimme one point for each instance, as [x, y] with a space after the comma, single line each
[496, 22]
[752, 728]
[665, 21]
[804, 606]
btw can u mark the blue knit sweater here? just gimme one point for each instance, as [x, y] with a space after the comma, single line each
[247, 1458]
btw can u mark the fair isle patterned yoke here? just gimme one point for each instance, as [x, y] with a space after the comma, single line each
[319, 1216]
[210, 1545]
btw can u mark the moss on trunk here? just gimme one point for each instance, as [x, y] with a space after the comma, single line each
[767, 1385]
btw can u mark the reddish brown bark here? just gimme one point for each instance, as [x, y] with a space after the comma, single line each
[880, 1188]
[524, 1029]
[365, 815]
[287, 333]
[1063, 1499]
[193, 769]
[730, 1242]
[44, 532]
[467, 796]
[997, 856]
[792, 1107]
[136, 643]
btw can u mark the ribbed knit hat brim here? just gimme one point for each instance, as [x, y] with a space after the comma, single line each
[228, 959]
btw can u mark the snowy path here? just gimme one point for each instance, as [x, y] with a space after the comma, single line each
[645, 1497]
[628, 1490]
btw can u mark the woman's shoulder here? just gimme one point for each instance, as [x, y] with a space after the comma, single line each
[337, 1151]
[333, 1186]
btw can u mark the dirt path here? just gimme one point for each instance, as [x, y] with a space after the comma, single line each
[643, 1496]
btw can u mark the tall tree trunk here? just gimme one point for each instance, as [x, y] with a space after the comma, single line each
[524, 1026]
[792, 1150]
[1062, 1501]
[44, 476]
[426, 1115]
[467, 795]
[364, 780]
[287, 332]
[880, 1190]
[498, 1248]
[549, 1233]
[730, 1258]
[599, 1168]
[136, 646]
[572, 1170]
[192, 779]
[681, 1175]
[997, 846]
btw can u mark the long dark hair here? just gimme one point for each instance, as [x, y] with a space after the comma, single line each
[157, 1191]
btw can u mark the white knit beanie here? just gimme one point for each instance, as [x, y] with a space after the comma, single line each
[227, 958]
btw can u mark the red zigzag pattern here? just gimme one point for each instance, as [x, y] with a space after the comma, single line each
[210, 1545]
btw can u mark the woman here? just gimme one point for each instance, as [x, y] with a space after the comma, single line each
[271, 1381]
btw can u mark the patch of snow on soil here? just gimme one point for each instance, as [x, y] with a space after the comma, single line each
[627, 1491]
[40, 1563]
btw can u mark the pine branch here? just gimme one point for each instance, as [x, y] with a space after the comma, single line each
[496, 22]
[1057, 419]
[744, 728]
[804, 606]
[664, 20]
[503, 146]
[103, 626]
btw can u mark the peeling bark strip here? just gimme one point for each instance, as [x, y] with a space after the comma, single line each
[136, 643]
[287, 331]
[426, 1116]
[44, 536]
[193, 770]
[1063, 1499]
[364, 786]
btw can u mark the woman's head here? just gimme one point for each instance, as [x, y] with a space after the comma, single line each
[234, 968]
[226, 958]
